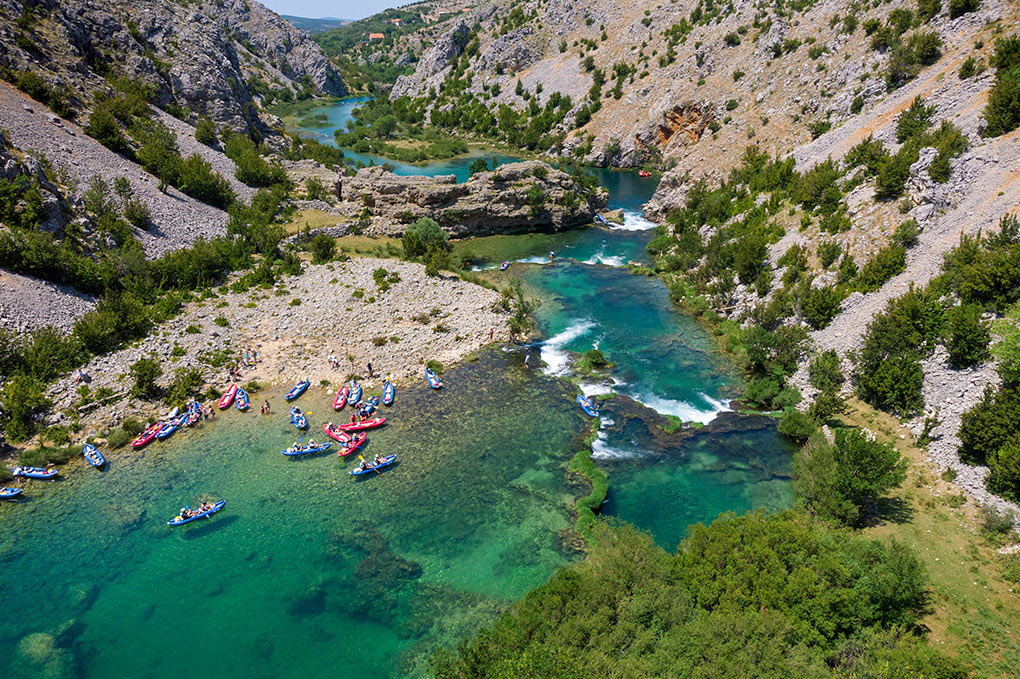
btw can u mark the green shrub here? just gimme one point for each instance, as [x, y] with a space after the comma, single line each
[968, 69]
[423, 239]
[927, 9]
[828, 252]
[132, 426]
[914, 120]
[118, 438]
[958, 8]
[1004, 470]
[907, 233]
[221, 321]
[824, 371]
[1002, 113]
[820, 305]
[20, 398]
[145, 372]
[187, 383]
[199, 181]
[205, 131]
[967, 336]
[796, 425]
[886, 263]
[435, 366]
[323, 248]
[102, 126]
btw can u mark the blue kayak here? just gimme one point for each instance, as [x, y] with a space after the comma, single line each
[369, 468]
[297, 418]
[433, 379]
[34, 472]
[504, 266]
[311, 450]
[178, 521]
[388, 392]
[167, 430]
[298, 389]
[369, 406]
[600, 219]
[241, 400]
[92, 455]
[9, 493]
[355, 394]
[587, 406]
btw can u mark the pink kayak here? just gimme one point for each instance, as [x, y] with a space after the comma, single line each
[146, 436]
[338, 435]
[341, 398]
[228, 397]
[352, 445]
[366, 424]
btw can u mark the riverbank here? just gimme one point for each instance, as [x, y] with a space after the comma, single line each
[397, 323]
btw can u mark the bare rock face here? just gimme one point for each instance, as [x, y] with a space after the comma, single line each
[436, 60]
[211, 57]
[515, 198]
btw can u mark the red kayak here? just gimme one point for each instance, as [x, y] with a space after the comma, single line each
[228, 397]
[644, 173]
[338, 435]
[341, 398]
[365, 424]
[355, 443]
[146, 436]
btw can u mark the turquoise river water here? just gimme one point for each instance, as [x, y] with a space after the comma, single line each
[309, 573]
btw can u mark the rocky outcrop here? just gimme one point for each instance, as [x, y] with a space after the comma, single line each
[433, 63]
[208, 57]
[514, 198]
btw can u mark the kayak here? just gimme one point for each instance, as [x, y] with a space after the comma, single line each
[146, 436]
[341, 397]
[9, 493]
[601, 220]
[338, 435]
[178, 521]
[355, 393]
[369, 468]
[587, 406]
[388, 393]
[310, 450]
[228, 397]
[298, 418]
[92, 455]
[352, 445]
[298, 389]
[504, 266]
[367, 424]
[34, 472]
[366, 407]
[166, 430]
[433, 379]
[644, 173]
[242, 401]
[194, 413]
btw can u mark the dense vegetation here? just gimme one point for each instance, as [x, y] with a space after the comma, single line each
[384, 128]
[1003, 110]
[750, 596]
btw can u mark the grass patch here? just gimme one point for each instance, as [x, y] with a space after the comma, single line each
[582, 465]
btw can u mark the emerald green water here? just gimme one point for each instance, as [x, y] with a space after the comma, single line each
[308, 572]
[305, 562]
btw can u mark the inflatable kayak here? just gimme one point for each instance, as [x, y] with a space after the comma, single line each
[366, 424]
[504, 266]
[341, 397]
[356, 442]
[167, 430]
[228, 397]
[33, 472]
[242, 401]
[644, 173]
[338, 435]
[433, 379]
[308, 450]
[298, 389]
[145, 438]
[388, 393]
[9, 493]
[355, 394]
[369, 468]
[599, 219]
[178, 521]
[194, 413]
[92, 455]
[297, 418]
[368, 406]
[587, 406]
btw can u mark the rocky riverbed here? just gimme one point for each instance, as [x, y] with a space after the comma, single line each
[334, 308]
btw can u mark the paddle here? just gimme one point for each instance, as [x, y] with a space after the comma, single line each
[372, 467]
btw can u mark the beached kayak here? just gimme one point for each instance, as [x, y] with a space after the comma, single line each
[92, 455]
[355, 393]
[167, 430]
[504, 266]
[368, 406]
[353, 444]
[335, 433]
[297, 418]
[433, 379]
[369, 468]
[298, 389]
[33, 472]
[9, 493]
[388, 393]
[341, 397]
[587, 406]
[178, 521]
[194, 413]
[366, 424]
[599, 219]
[146, 437]
[308, 450]
[228, 397]
[242, 402]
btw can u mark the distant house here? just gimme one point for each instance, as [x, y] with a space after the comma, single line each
[397, 22]
[376, 36]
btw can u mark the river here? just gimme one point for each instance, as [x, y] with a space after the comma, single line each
[309, 573]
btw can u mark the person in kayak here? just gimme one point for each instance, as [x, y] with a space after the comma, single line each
[552, 256]
[311, 443]
[375, 460]
[185, 513]
[296, 447]
[204, 507]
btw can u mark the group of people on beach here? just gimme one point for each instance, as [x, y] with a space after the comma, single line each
[249, 358]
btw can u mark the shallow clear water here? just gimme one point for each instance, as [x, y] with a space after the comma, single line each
[308, 572]
[304, 562]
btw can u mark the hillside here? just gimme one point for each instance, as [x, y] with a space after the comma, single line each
[309, 25]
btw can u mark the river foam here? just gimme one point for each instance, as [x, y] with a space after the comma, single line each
[554, 355]
[633, 221]
[685, 411]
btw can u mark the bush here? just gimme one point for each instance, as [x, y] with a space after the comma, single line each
[199, 181]
[886, 263]
[824, 371]
[20, 399]
[1002, 113]
[1004, 466]
[820, 305]
[593, 359]
[145, 372]
[967, 336]
[957, 8]
[927, 9]
[186, 384]
[323, 249]
[118, 438]
[102, 126]
[424, 240]
[968, 69]
[796, 425]
[907, 233]
[914, 120]
[205, 131]
[435, 366]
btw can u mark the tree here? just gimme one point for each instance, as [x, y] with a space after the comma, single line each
[821, 305]
[186, 384]
[967, 336]
[145, 372]
[424, 238]
[1003, 109]
[837, 482]
[796, 425]
[21, 397]
[1004, 478]
[478, 165]
[205, 131]
[323, 249]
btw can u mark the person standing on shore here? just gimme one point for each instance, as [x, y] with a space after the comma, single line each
[527, 359]
[369, 366]
[491, 332]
